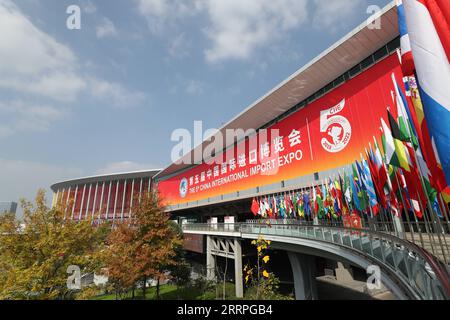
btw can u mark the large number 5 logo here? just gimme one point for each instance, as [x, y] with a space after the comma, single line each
[337, 128]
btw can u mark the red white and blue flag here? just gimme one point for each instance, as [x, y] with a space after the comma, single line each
[405, 46]
[428, 23]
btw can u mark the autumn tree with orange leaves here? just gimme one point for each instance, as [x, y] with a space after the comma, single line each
[144, 247]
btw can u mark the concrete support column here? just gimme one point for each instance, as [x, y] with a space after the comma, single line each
[344, 272]
[210, 260]
[238, 269]
[303, 269]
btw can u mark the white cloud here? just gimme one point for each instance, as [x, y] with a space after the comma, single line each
[179, 46]
[236, 27]
[239, 27]
[334, 14]
[125, 166]
[194, 87]
[106, 29]
[89, 7]
[115, 93]
[20, 116]
[34, 62]
[163, 13]
[23, 178]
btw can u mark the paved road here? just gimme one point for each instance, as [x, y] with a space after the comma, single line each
[328, 288]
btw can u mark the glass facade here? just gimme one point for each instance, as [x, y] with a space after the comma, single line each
[101, 200]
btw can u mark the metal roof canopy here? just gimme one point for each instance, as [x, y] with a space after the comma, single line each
[326, 67]
[106, 177]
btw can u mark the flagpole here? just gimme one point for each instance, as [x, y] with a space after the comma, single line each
[445, 213]
[444, 208]
[437, 221]
[436, 218]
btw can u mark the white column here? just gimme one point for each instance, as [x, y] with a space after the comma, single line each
[238, 269]
[74, 202]
[303, 269]
[123, 199]
[132, 197]
[95, 200]
[67, 202]
[82, 202]
[100, 207]
[109, 198]
[210, 260]
[115, 200]
[88, 200]
[140, 191]
[55, 198]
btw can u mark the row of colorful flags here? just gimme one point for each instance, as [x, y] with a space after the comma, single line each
[410, 170]
[394, 176]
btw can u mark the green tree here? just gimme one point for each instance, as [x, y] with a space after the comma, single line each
[35, 255]
[262, 284]
[143, 248]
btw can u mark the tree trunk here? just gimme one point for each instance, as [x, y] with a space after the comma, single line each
[144, 289]
[157, 290]
[132, 293]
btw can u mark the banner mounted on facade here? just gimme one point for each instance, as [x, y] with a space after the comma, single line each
[330, 132]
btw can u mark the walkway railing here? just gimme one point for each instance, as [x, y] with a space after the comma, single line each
[421, 274]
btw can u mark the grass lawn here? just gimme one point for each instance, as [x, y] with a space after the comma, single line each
[170, 292]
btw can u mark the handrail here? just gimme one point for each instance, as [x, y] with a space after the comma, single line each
[439, 270]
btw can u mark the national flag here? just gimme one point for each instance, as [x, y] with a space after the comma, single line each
[407, 129]
[261, 208]
[325, 198]
[360, 192]
[389, 145]
[347, 192]
[368, 189]
[437, 178]
[375, 172]
[291, 205]
[400, 149]
[268, 208]
[410, 193]
[433, 196]
[284, 212]
[416, 162]
[428, 22]
[307, 203]
[354, 192]
[405, 46]
[274, 206]
[338, 197]
[300, 205]
[255, 207]
[318, 203]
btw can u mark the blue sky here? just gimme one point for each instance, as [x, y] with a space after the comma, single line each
[106, 98]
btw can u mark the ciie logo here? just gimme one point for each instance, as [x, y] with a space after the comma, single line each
[337, 128]
[74, 280]
[183, 188]
[374, 277]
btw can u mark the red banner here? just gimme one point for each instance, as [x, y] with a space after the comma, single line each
[330, 132]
